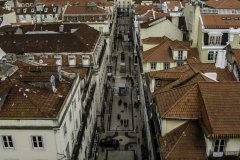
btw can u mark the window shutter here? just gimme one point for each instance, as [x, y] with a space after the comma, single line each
[224, 39]
[206, 37]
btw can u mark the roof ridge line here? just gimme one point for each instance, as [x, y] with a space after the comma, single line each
[179, 99]
[176, 88]
[178, 138]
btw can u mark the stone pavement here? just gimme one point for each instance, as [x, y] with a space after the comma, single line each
[129, 136]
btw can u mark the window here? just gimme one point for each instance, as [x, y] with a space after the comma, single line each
[37, 142]
[82, 18]
[74, 19]
[215, 40]
[166, 65]
[153, 66]
[70, 115]
[180, 63]
[64, 129]
[219, 145]
[7, 142]
[180, 55]
[158, 82]
[92, 18]
[212, 55]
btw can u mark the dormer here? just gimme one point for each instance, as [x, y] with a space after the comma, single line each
[58, 59]
[179, 50]
[85, 60]
[71, 60]
[92, 5]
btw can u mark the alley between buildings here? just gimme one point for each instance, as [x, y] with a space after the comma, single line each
[122, 114]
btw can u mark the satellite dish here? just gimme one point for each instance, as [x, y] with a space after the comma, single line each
[40, 61]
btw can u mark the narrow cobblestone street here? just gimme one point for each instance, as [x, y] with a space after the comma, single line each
[122, 121]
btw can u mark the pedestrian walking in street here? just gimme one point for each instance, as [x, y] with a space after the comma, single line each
[121, 122]
[127, 122]
[136, 129]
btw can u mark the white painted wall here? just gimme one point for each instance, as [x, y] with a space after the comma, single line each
[168, 125]
[148, 46]
[23, 146]
[10, 17]
[232, 146]
[164, 28]
[54, 140]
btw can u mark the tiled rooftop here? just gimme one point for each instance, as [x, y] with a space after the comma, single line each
[163, 51]
[26, 99]
[82, 40]
[221, 105]
[221, 21]
[78, 10]
[185, 142]
[223, 4]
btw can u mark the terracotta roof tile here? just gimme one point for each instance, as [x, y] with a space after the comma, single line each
[214, 21]
[185, 142]
[77, 10]
[82, 40]
[154, 40]
[223, 4]
[142, 9]
[166, 100]
[236, 53]
[26, 100]
[221, 103]
[161, 53]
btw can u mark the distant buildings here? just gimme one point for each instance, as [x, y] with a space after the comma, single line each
[59, 75]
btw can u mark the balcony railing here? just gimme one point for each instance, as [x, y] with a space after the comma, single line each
[85, 116]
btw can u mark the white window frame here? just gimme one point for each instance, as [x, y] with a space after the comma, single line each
[180, 55]
[9, 140]
[218, 149]
[166, 65]
[215, 38]
[213, 56]
[153, 66]
[37, 141]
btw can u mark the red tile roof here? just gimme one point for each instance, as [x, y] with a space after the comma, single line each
[163, 51]
[83, 10]
[182, 102]
[223, 4]
[215, 21]
[154, 40]
[83, 39]
[221, 106]
[185, 142]
[236, 53]
[26, 99]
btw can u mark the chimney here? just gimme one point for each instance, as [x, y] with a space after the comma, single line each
[3, 67]
[61, 27]
[59, 73]
[53, 85]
